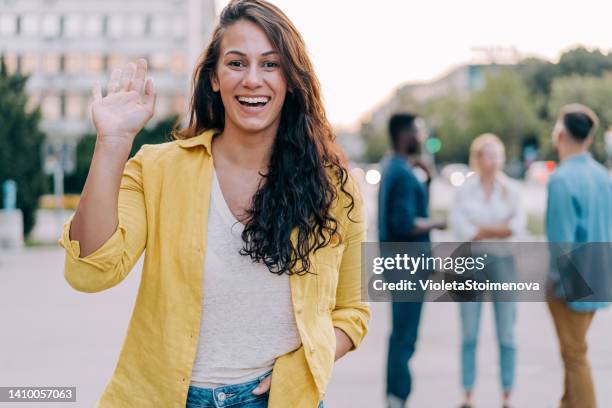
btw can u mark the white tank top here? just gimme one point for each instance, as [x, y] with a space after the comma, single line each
[247, 313]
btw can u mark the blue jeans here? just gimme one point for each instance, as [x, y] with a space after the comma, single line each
[402, 344]
[234, 396]
[505, 316]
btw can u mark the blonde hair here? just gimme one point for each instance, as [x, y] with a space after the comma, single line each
[476, 148]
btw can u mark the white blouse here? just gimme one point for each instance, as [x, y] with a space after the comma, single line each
[471, 209]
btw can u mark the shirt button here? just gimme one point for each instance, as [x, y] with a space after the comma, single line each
[298, 309]
[221, 396]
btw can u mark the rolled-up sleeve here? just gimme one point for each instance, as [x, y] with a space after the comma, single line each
[109, 264]
[351, 314]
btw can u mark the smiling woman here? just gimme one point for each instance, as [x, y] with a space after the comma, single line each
[250, 224]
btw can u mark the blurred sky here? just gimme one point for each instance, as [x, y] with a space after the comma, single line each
[362, 50]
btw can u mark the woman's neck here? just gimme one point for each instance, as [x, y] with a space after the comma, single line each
[247, 150]
[486, 182]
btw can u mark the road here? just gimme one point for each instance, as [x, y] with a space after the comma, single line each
[53, 335]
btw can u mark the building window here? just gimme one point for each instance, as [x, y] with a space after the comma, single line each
[178, 64]
[29, 25]
[73, 26]
[178, 103]
[8, 25]
[158, 26]
[116, 26]
[50, 26]
[73, 63]
[178, 26]
[160, 61]
[93, 26]
[136, 26]
[51, 106]
[74, 106]
[52, 63]
[95, 63]
[116, 61]
[162, 106]
[28, 63]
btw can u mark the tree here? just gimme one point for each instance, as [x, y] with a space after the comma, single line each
[580, 61]
[376, 142]
[594, 92]
[158, 133]
[446, 119]
[21, 144]
[505, 108]
[538, 74]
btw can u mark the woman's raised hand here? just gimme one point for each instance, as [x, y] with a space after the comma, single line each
[127, 106]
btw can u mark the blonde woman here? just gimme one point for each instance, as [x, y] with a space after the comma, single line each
[487, 207]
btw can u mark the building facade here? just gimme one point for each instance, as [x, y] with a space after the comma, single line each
[65, 46]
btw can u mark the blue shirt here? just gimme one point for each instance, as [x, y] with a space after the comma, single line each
[579, 209]
[401, 199]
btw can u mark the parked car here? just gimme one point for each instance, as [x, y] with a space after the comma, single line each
[539, 171]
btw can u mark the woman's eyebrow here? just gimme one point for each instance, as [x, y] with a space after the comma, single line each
[242, 54]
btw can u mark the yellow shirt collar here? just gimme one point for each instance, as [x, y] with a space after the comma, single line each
[203, 139]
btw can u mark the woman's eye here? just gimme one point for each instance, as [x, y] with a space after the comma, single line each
[270, 64]
[235, 64]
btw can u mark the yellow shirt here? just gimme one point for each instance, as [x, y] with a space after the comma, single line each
[163, 207]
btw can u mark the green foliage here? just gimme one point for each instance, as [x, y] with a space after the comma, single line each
[502, 107]
[376, 141]
[580, 61]
[159, 133]
[516, 104]
[594, 92]
[446, 119]
[21, 141]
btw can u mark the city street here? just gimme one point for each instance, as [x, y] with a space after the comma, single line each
[508, 133]
[54, 335]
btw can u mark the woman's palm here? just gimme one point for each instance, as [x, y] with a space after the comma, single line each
[123, 112]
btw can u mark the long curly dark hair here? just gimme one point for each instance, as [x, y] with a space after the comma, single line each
[299, 188]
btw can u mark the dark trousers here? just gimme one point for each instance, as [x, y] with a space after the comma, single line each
[402, 343]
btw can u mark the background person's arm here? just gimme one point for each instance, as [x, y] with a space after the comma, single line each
[561, 221]
[467, 230]
[404, 223]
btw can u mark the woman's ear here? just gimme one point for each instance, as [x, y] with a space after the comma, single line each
[215, 83]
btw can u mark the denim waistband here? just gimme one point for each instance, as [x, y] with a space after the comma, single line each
[226, 395]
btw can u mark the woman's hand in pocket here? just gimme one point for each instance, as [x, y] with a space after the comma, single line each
[264, 386]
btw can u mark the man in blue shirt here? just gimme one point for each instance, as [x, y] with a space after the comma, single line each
[579, 211]
[403, 217]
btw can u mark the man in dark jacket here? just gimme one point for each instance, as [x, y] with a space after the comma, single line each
[403, 216]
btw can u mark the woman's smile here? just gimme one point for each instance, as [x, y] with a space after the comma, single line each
[253, 104]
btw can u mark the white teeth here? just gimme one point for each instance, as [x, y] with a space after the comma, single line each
[262, 99]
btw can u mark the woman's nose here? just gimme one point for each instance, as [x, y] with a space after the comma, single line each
[252, 77]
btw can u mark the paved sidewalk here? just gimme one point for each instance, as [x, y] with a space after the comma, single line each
[53, 335]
